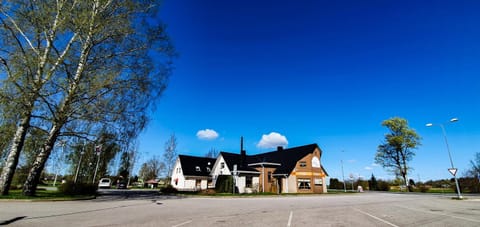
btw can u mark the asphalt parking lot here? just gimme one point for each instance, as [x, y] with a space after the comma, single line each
[360, 209]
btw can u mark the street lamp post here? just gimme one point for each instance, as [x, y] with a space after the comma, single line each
[98, 150]
[343, 176]
[63, 143]
[453, 169]
[78, 166]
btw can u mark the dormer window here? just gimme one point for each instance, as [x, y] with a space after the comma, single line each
[208, 169]
[303, 164]
[197, 168]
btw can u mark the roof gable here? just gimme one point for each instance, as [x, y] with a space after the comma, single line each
[286, 157]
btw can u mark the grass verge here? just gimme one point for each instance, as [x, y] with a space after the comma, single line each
[43, 195]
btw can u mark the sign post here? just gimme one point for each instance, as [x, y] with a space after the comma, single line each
[234, 176]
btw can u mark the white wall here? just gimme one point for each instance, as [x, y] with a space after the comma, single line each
[177, 176]
[241, 181]
[189, 185]
[292, 184]
[217, 170]
[204, 184]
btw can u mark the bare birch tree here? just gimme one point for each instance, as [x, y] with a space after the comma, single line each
[113, 67]
[170, 155]
[27, 35]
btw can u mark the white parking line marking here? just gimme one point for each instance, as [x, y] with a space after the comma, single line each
[184, 223]
[290, 219]
[441, 214]
[377, 218]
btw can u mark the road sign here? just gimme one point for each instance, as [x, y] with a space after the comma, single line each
[453, 171]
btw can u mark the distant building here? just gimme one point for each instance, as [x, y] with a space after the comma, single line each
[192, 173]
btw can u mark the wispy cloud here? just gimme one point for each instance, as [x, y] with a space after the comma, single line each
[207, 134]
[272, 140]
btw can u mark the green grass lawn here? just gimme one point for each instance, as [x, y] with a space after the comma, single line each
[42, 195]
[441, 190]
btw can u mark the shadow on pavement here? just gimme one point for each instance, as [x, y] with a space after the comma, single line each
[6, 222]
[117, 195]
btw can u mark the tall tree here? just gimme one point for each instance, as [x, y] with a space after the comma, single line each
[170, 154]
[126, 161]
[398, 147]
[151, 169]
[102, 63]
[28, 59]
[475, 170]
[372, 183]
[212, 153]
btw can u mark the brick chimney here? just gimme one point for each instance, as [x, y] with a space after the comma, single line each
[279, 148]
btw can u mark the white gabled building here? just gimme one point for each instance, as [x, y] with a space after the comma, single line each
[192, 173]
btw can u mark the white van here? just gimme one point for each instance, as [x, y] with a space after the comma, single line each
[105, 183]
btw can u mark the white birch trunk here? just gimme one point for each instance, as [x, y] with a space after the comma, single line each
[14, 154]
[30, 185]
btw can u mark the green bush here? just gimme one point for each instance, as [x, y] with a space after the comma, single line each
[169, 189]
[70, 188]
[224, 184]
[424, 188]
[383, 185]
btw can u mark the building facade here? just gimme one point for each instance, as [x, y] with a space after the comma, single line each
[292, 170]
[192, 173]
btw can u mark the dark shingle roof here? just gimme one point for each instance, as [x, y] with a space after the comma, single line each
[189, 164]
[235, 159]
[288, 158]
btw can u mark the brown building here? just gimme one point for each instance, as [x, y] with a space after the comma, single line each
[292, 170]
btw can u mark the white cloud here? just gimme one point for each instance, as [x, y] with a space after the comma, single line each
[368, 168]
[207, 134]
[272, 140]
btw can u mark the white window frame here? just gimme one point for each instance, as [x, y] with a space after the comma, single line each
[306, 184]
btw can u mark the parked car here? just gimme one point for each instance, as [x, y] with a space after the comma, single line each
[105, 183]
[122, 185]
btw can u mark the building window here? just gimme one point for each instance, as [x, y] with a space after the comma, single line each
[269, 176]
[303, 184]
[197, 168]
[208, 169]
[248, 181]
[222, 165]
[303, 164]
[318, 181]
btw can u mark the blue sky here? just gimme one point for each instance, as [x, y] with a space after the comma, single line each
[325, 72]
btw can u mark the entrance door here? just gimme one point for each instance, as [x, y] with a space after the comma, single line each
[280, 185]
